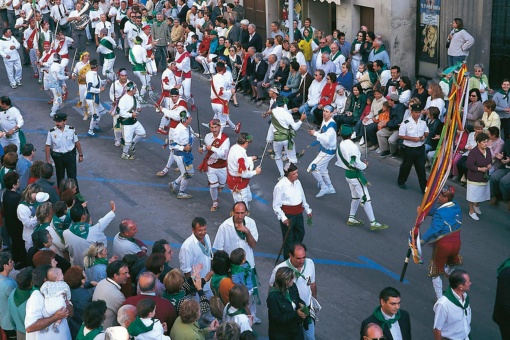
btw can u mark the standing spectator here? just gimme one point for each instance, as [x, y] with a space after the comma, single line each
[95, 261]
[186, 326]
[92, 318]
[9, 51]
[254, 38]
[395, 322]
[452, 312]
[502, 305]
[18, 300]
[7, 285]
[46, 185]
[305, 45]
[163, 247]
[160, 33]
[379, 52]
[345, 46]
[503, 107]
[24, 164]
[458, 43]
[13, 225]
[356, 56]
[235, 309]
[11, 122]
[30, 198]
[80, 297]
[221, 281]
[478, 165]
[239, 9]
[109, 290]
[125, 242]
[500, 180]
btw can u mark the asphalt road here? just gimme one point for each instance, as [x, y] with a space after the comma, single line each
[352, 263]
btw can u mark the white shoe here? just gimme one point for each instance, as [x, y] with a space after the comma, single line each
[183, 195]
[474, 216]
[331, 190]
[52, 114]
[477, 210]
[378, 150]
[362, 141]
[256, 320]
[353, 135]
[322, 192]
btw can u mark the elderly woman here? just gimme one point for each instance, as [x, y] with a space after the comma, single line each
[186, 326]
[470, 144]
[475, 108]
[236, 309]
[26, 211]
[346, 78]
[176, 288]
[80, 296]
[480, 82]
[496, 145]
[96, 261]
[293, 80]
[478, 164]
[285, 307]
[282, 73]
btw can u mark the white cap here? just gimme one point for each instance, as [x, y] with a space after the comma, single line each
[41, 197]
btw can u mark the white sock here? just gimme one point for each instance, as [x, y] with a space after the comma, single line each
[437, 283]
[369, 211]
[214, 193]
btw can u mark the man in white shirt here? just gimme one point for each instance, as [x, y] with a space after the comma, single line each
[125, 242]
[10, 123]
[95, 16]
[314, 93]
[9, 51]
[79, 35]
[59, 14]
[452, 312]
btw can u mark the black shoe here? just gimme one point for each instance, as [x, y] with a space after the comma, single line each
[383, 154]
[402, 186]
[253, 99]
[394, 155]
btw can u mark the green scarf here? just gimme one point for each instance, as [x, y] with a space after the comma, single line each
[90, 335]
[215, 283]
[59, 226]
[237, 312]
[505, 94]
[380, 317]
[381, 49]
[242, 235]
[21, 295]
[137, 327]
[448, 293]
[98, 260]
[174, 298]
[504, 265]
[41, 226]
[80, 229]
[287, 294]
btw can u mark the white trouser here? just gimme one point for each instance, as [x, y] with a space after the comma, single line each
[57, 99]
[13, 69]
[151, 67]
[216, 177]
[224, 118]
[186, 173]
[164, 122]
[132, 134]
[357, 193]
[171, 158]
[278, 148]
[321, 169]
[96, 110]
[14, 139]
[108, 69]
[117, 132]
[64, 62]
[243, 195]
[145, 79]
[33, 60]
[82, 91]
[186, 88]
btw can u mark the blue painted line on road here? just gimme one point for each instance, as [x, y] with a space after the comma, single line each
[368, 263]
[157, 185]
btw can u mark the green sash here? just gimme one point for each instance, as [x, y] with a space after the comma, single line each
[282, 134]
[215, 284]
[106, 43]
[136, 66]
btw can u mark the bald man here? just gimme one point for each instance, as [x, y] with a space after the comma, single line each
[372, 331]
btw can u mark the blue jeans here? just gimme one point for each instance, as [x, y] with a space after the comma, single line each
[452, 60]
[310, 333]
[305, 108]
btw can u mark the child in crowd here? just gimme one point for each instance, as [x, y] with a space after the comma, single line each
[243, 273]
[57, 294]
[145, 326]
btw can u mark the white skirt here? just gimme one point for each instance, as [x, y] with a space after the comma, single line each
[478, 192]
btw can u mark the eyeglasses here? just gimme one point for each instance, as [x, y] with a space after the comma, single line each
[322, 42]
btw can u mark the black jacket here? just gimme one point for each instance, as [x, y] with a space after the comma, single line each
[256, 42]
[396, 116]
[305, 85]
[501, 313]
[404, 322]
[260, 72]
[284, 321]
[183, 12]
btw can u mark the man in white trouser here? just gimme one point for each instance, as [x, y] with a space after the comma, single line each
[106, 47]
[221, 91]
[183, 143]
[240, 169]
[138, 58]
[56, 76]
[214, 164]
[182, 62]
[327, 139]
[94, 88]
[80, 71]
[282, 132]
[132, 130]
[117, 90]
[30, 43]
[9, 52]
[10, 123]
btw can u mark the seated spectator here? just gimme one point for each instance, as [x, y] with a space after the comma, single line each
[93, 316]
[237, 310]
[293, 79]
[125, 242]
[268, 50]
[259, 71]
[297, 98]
[42, 253]
[435, 99]
[17, 301]
[314, 94]
[470, 144]
[420, 92]
[404, 90]
[177, 289]
[461, 138]
[193, 49]
[327, 65]
[296, 54]
[387, 79]
[435, 128]
[345, 78]
[387, 136]
[96, 261]
[146, 326]
[46, 185]
[340, 100]
[475, 108]
[263, 85]
[358, 100]
[368, 125]
[496, 145]
[490, 117]
[282, 73]
[326, 97]
[277, 47]
[500, 179]
[186, 325]
[80, 297]
[81, 234]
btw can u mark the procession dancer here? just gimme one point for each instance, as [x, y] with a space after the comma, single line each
[44, 64]
[132, 130]
[117, 90]
[80, 73]
[9, 51]
[56, 77]
[169, 81]
[282, 132]
[106, 48]
[183, 64]
[349, 158]
[94, 88]
[148, 44]
[45, 36]
[61, 47]
[138, 58]
[214, 164]
[326, 136]
[221, 91]
[30, 42]
[170, 120]
[240, 169]
[183, 143]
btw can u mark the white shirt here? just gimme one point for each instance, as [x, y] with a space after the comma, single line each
[348, 150]
[218, 153]
[241, 320]
[308, 276]
[439, 103]
[169, 80]
[93, 15]
[328, 137]
[314, 91]
[11, 118]
[338, 60]
[184, 65]
[100, 25]
[139, 54]
[56, 14]
[126, 104]
[236, 153]
[395, 331]
[222, 86]
[284, 117]
[287, 193]
[227, 239]
[412, 128]
[191, 254]
[451, 320]
[43, 4]
[181, 136]
[132, 31]
[117, 89]
[29, 221]
[5, 48]
[93, 82]
[65, 46]
[35, 312]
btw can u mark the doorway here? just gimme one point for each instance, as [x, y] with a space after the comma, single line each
[366, 16]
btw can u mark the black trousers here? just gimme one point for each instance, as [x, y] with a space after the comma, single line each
[80, 42]
[65, 163]
[296, 233]
[160, 58]
[413, 156]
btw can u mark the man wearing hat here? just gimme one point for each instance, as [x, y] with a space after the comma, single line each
[240, 169]
[413, 131]
[79, 35]
[56, 78]
[148, 44]
[221, 91]
[216, 144]
[289, 202]
[80, 71]
[94, 88]
[30, 44]
[349, 158]
[61, 144]
[132, 130]
[105, 49]
[182, 147]
[387, 136]
[444, 235]
[138, 58]
[282, 132]
[117, 90]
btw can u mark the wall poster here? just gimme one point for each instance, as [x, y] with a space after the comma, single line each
[429, 30]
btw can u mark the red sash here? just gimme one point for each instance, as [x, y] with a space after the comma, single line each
[237, 183]
[293, 209]
[180, 60]
[30, 41]
[47, 56]
[174, 123]
[149, 52]
[218, 100]
[59, 46]
[220, 163]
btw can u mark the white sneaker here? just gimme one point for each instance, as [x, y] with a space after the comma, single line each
[256, 320]
[183, 195]
[353, 135]
[362, 141]
[477, 210]
[474, 216]
[322, 192]
[331, 190]
[378, 150]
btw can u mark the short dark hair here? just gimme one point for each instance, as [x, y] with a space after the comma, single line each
[493, 130]
[237, 256]
[459, 22]
[5, 258]
[24, 278]
[39, 274]
[457, 278]
[11, 179]
[481, 137]
[198, 220]
[47, 171]
[155, 262]
[293, 247]
[27, 149]
[93, 314]
[388, 292]
[40, 237]
[5, 100]
[77, 211]
[396, 68]
[247, 335]
[220, 264]
[145, 307]
[159, 246]
[422, 81]
[379, 63]
[490, 104]
[114, 268]
[59, 208]
[434, 112]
